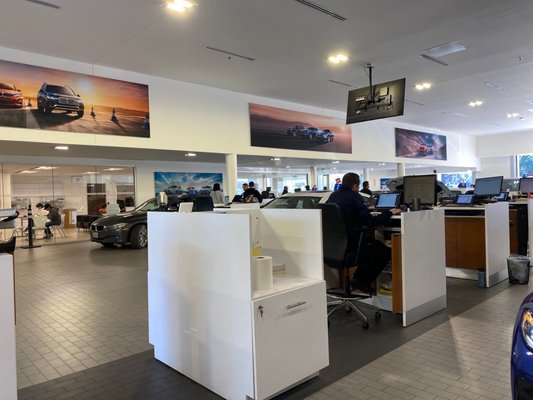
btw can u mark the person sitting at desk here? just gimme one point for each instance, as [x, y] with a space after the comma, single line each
[251, 194]
[366, 188]
[217, 195]
[54, 219]
[39, 209]
[374, 255]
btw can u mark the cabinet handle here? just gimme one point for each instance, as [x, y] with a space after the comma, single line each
[300, 303]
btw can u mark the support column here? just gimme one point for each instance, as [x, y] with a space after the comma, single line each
[5, 191]
[312, 177]
[230, 183]
[400, 168]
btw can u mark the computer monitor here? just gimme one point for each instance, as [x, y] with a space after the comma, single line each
[526, 185]
[488, 187]
[423, 187]
[387, 201]
[504, 196]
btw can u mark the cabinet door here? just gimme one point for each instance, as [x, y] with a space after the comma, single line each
[290, 338]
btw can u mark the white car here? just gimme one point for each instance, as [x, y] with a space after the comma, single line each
[307, 199]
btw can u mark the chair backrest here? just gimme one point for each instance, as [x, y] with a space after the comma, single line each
[39, 221]
[203, 203]
[112, 208]
[334, 236]
[9, 245]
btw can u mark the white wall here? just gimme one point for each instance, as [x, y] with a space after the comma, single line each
[495, 166]
[505, 144]
[185, 116]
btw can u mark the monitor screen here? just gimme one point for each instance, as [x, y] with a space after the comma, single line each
[466, 199]
[487, 187]
[423, 187]
[526, 185]
[504, 196]
[388, 200]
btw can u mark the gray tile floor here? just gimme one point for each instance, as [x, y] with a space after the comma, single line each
[78, 306]
[82, 334]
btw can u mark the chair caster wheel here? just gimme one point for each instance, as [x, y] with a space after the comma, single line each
[377, 316]
[366, 325]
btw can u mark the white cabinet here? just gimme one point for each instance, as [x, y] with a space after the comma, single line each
[206, 321]
[287, 328]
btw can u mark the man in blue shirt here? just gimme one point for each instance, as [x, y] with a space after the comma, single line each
[374, 254]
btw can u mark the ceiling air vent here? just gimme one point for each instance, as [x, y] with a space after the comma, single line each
[321, 9]
[229, 53]
[435, 53]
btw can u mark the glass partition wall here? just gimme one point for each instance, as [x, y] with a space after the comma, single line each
[73, 189]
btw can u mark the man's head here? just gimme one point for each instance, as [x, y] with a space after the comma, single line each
[47, 207]
[337, 180]
[39, 205]
[366, 185]
[351, 180]
[244, 186]
[251, 184]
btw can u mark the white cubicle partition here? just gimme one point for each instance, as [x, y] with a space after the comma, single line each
[497, 242]
[206, 321]
[8, 362]
[423, 264]
[530, 229]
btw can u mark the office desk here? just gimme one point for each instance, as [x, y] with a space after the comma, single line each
[418, 265]
[477, 238]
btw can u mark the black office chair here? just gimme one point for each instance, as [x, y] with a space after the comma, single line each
[9, 245]
[339, 254]
[203, 203]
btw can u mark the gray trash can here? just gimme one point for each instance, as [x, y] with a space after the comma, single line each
[518, 267]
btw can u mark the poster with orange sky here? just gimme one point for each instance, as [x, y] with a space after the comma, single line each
[44, 98]
[286, 129]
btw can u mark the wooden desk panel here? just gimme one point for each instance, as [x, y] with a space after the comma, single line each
[513, 230]
[396, 260]
[465, 242]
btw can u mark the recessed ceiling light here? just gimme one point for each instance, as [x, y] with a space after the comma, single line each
[513, 115]
[275, 159]
[179, 5]
[287, 166]
[90, 172]
[113, 169]
[190, 154]
[423, 86]
[335, 162]
[338, 58]
[61, 148]
[475, 103]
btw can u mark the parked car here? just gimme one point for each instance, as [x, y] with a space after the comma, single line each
[311, 133]
[422, 149]
[522, 352]
[431, 149]
[327, 136]
[305, 200]
[10, 95]
[57, 97]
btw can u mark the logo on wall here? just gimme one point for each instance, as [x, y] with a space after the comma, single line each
[43, 98]
[285, 129]
[413, 144]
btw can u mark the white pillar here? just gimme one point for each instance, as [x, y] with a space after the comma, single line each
[5, 191]
[400, 168]
[230, 183]
[312, 177]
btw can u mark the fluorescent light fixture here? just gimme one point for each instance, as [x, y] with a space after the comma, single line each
[475, 103]
[28, 172]
[90, 172]
[494, 86]
[179, 5]
[45, 167]
[113, 169]
[287, 166]
[423, 86]
[338, 58]
[443, 50]
[513, 115]
[190, 154]
[275, 159]
[335, 162]
[61, 148]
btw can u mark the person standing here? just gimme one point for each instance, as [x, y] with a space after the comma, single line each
[285, 190]
[374, 255]
[337, 184]
[217, 195]
[252, 193]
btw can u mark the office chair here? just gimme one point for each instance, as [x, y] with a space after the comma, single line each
[339, 255]
[203, 203]
[9, 245]
[59, 228]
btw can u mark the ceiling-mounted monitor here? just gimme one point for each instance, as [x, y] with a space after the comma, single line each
[383, 100]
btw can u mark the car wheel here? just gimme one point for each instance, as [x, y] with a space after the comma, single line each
[80, 113]
[139, 236]
[40, 108]
[47, 110]
[293, 133]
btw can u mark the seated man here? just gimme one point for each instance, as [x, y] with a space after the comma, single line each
[374, 254]
[54, 219]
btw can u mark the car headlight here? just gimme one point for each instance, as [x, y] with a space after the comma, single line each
[50, 97]
[117, 227]
[527, 328]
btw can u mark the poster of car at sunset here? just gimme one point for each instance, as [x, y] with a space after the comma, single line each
[43, 98]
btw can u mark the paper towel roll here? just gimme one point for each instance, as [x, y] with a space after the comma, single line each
[262, 278]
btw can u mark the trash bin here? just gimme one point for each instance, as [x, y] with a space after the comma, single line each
[518, 267]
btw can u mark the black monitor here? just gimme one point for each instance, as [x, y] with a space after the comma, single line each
[488, 187]
[526, 185]
[423, 187]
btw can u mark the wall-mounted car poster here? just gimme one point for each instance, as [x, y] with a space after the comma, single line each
[413, 144]
[43, 98]
[286, 129]
[192, 183]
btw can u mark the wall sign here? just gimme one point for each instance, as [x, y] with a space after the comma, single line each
[413, 144]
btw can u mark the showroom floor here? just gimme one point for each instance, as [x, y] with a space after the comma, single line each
[82, 334]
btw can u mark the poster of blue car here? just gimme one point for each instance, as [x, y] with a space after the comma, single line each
[192, 183]
[414, 144]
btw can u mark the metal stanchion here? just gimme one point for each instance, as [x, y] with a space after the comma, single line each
[30, 231]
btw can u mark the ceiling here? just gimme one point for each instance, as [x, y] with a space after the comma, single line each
[290, 42]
